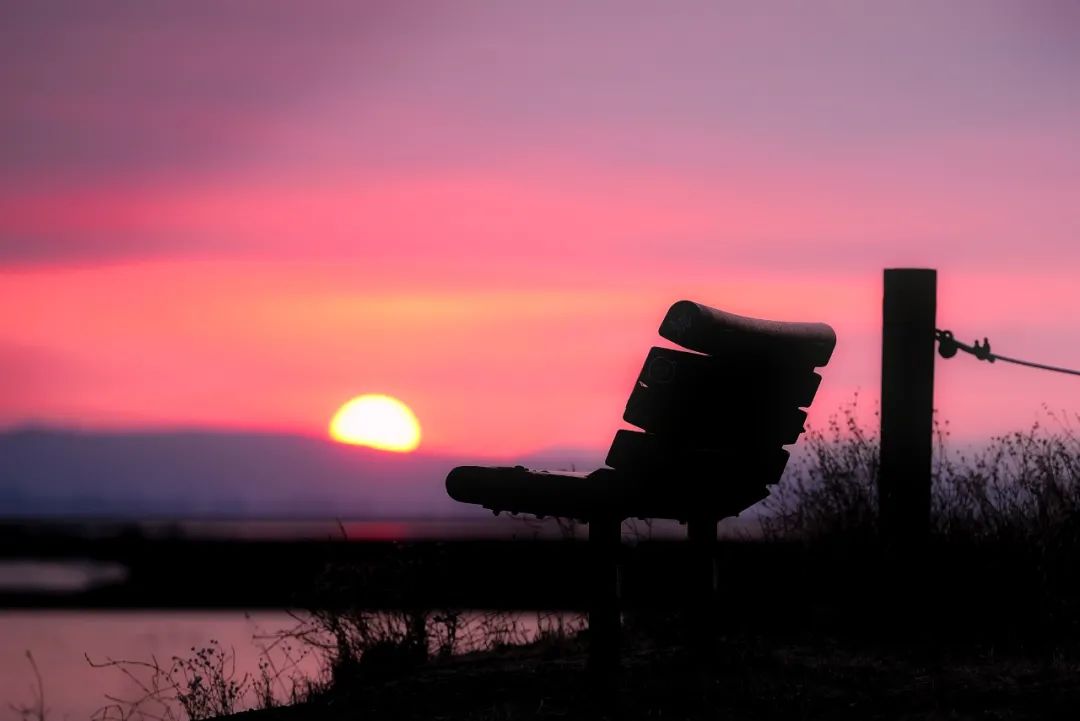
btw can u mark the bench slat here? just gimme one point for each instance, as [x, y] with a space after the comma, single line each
[715, 332]
[647, 454]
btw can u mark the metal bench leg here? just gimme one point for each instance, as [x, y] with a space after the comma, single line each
[701, 616]
[605, 538]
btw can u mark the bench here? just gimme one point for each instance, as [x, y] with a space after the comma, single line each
[713, 421]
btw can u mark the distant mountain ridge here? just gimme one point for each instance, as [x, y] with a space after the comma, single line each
[56, 472]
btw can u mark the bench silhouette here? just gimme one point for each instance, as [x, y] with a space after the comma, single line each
[714, 419]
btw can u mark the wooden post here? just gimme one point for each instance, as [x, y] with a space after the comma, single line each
[907, 405]
[605, 540]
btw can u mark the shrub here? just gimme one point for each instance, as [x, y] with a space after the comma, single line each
[830, 490]
[1022, 487]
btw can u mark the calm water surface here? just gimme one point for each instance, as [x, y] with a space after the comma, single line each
[60, 641]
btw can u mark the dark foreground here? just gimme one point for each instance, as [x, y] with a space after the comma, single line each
[749, 677]
[965, 628]
[826, 631]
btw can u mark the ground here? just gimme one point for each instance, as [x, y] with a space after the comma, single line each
[750, 676]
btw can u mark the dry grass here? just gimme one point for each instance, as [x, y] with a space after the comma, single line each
[1023, 487]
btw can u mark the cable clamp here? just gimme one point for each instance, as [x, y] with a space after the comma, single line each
[948, 346]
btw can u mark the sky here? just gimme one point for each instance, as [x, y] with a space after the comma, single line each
[239, 215]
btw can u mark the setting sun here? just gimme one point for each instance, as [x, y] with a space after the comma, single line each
[376, 421]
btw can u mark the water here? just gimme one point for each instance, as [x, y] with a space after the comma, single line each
[60, 642]
[64, 643]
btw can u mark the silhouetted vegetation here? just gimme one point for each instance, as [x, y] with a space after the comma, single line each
[322, 656]
[1023, 487]
[205, 684]
[35, 710]
[1002, 560]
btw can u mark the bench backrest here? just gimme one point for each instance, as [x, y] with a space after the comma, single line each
[714, 418]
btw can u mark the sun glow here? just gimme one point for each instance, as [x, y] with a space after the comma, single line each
[376, 421]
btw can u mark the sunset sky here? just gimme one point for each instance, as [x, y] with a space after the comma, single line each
[242, 214]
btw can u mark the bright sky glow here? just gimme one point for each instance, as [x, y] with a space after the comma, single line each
[232, 215]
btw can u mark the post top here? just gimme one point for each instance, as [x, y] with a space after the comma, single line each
[912, 271]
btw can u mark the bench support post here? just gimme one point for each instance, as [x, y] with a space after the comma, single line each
[605, 539]
[701, 619]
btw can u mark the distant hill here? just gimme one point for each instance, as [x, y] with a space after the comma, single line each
[49, 472]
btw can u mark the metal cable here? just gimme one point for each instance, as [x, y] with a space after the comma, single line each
[948, 346]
